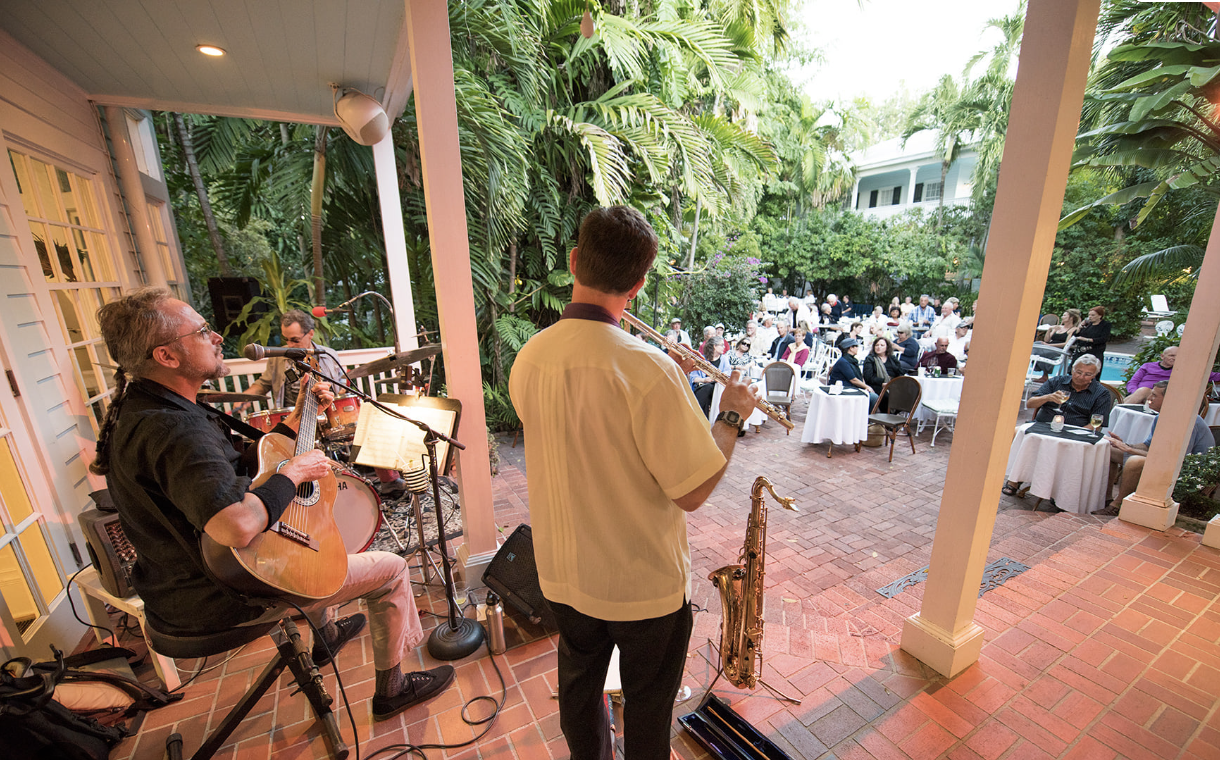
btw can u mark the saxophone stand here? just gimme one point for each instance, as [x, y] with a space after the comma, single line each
[720, 671]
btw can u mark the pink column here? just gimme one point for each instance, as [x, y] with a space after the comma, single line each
[436, 111]
[1045, 111]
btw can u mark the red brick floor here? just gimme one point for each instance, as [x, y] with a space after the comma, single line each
[1108, 647]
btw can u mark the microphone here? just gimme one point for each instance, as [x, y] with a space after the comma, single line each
[322, 311]
[255, 352]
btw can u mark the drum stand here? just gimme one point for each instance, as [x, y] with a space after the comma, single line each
[417, 483]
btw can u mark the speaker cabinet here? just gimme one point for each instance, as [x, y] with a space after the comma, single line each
[513, 575]
[229, 296]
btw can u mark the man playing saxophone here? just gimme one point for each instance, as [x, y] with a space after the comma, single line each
[617, 451]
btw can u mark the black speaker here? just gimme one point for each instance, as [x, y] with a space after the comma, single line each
[229, 296]
[513, 575]
[112, 554]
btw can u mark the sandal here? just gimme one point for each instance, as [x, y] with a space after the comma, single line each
[1009, 489]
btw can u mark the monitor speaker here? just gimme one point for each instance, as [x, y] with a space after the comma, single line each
[112, 554]
[513, 575]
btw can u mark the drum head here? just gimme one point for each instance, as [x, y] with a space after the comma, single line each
[357, 512]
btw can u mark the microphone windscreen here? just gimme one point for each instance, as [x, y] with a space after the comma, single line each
[318, 311]
[253, 352]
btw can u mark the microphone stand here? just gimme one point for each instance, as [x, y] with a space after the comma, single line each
[458, 635]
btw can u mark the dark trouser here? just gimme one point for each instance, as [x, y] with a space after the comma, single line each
[652, 656]
[703, 394]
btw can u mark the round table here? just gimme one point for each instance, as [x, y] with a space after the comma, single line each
[1131, 423]
[1073, 473]
[837, 419]
[756, 418]
[936, 389]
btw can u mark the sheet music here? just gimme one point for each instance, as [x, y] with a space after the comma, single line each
[393, 444]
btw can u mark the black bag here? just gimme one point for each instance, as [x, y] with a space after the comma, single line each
[33, 726]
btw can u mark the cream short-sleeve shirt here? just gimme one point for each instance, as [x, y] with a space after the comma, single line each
[613, 435]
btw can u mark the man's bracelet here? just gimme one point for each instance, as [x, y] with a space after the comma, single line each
[276, 494]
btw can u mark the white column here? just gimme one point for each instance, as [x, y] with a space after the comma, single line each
[441, 162]
[133, 192]
[1152, 504]
[1045, 112]
[855, 194]
[395, 243]
[911, 186]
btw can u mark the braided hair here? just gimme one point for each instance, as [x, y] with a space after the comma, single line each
[132, 327]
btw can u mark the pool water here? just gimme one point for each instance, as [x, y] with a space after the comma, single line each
[1114, 367]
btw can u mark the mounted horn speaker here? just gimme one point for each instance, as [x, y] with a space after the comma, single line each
[362, 118]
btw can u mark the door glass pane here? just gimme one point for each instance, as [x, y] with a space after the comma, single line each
[82, 249]
[89, 216]
[40, 244]
[46, 194]
[68, 197]
[12, 490]
[38, 556]
[88, 373]
[99, 413]
[15, 590]
[69, 319]
[21, 168]
[63, 254]
[99, 258]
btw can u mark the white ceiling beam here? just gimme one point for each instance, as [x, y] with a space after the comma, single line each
[398, 84]
[215, 109]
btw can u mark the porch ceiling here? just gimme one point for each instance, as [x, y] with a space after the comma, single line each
[281, 54]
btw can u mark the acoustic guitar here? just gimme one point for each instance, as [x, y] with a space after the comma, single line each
[302, 557]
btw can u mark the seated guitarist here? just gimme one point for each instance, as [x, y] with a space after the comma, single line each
[175, 472]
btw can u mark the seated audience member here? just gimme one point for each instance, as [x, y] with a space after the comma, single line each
[939, 357]
[676, 324]
[922, 315]
[847, 310]
[943, 326]
[1140, 385]
[1093, 334]
[909, 357]
[836, 308]
[782, 339]
[877, 317]
[797, 351]
[740, 358]
[959, 344]
[881, 366]
[796, 312]
[826, 316]
[709, 332]
[719, 329]
[701, 382]
[907, 307]
[1201, 439]
[767, 333]
[895, 317]
[1056, 337]
[847, 370]
[1077, 396]
[853, 333]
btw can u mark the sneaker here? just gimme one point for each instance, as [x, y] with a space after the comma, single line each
[417, 687]
[1110, 511]
[349, 628]
[392, 489]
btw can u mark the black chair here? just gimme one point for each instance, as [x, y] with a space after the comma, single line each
[292, 654]
[903, 393]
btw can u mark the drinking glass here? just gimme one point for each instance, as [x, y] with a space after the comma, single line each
[1095, 422]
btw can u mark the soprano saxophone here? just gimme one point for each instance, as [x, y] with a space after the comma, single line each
[741, 594]
[712, 370]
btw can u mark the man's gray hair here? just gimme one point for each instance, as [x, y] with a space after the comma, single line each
[1161, 385]
[297, 317]
[752, 322]
[783, 321]
[1090, 360]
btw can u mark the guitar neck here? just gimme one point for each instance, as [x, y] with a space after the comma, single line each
[308, 429]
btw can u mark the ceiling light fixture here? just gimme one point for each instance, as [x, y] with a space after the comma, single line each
[211, 50]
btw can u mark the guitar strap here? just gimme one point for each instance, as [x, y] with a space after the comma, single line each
[231, 422]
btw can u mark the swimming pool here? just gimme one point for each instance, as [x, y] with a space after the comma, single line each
[1115, 366]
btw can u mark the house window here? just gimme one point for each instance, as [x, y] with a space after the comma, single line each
[918, 194]
[931, 191]
[65, 218]
[872, 199]
[897, 196]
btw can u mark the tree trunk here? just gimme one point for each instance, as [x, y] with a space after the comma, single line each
[694, 237]
[316, 192]
[512, 274]
[209, 219]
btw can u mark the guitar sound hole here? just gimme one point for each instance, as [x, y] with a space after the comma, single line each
[308, 493]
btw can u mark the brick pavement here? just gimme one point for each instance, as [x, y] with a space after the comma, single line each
[1108, 647]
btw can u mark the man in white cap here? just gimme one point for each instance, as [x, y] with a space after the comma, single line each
[676, 324]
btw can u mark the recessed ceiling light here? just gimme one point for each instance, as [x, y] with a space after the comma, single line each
[211, 50]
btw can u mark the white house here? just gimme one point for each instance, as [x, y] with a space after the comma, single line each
[891, 177]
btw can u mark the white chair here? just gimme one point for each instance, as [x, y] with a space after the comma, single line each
[1047, 360]
[809, 373]
[1164, 327]
[1181, 329]
[1160, 307]
[779, 379]
[945, 410]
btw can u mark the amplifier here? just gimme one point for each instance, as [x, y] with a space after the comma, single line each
[111, 553]
[513, 575]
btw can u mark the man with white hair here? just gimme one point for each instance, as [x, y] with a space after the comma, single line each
[676, 324]
[836, 308]
[944, 325]
[922, 315]
[797, 312]
[767, 333]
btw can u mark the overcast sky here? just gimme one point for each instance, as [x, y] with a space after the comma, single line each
[870, 50]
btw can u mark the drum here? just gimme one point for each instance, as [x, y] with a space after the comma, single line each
[341, 418]
[264, 421]
[357, 512]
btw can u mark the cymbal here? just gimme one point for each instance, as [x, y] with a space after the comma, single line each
[221, 397]
[399, 360]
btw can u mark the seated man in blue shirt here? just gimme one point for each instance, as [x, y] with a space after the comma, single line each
[847, 370]
[1201, 439]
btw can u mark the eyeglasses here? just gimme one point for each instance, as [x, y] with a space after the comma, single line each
[203, 332]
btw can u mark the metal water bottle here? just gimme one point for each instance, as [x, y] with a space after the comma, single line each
[495, 624]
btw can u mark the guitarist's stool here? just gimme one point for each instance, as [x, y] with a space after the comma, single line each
[292, 655]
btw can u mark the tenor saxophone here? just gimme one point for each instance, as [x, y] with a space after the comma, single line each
[741, 594]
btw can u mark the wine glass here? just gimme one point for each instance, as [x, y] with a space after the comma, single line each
[1095, 422]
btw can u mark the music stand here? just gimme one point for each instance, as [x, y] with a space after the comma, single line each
[437, 418]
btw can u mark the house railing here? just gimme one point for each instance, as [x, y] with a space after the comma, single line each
[244, 372]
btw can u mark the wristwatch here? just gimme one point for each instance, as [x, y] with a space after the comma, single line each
[730, 418]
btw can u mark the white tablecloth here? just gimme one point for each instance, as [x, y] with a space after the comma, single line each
[1074, 474]
[1213, 414]
[838, 419]
[935, 388]
[755, 418]
[1131, 425]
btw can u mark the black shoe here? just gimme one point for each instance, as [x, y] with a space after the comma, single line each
[417, 687]
[394, 489]
[349, 628]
